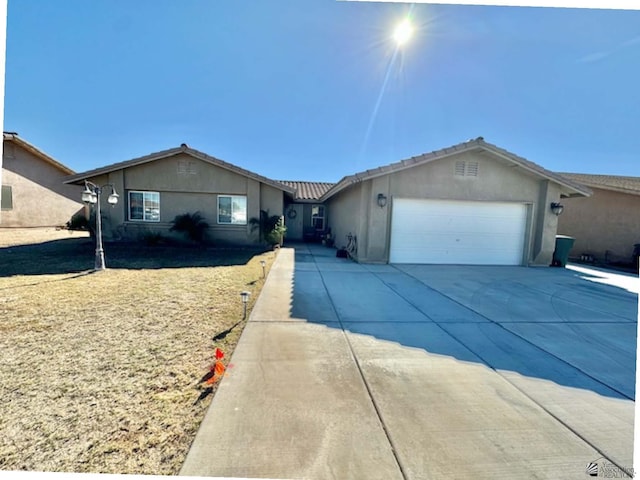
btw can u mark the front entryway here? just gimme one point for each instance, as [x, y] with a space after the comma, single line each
[293, 220]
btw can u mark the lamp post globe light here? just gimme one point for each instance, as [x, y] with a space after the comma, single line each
[91, 196]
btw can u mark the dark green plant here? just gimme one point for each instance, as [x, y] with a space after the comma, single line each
[151, 238]
[193, 225]
[78, 222]
[271, 228]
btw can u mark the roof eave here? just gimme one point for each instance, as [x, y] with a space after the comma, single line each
[13, 137]
[576, 190]
[79, 178]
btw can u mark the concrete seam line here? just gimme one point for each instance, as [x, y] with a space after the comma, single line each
[520, 336]
[505, 379]
[364, 381]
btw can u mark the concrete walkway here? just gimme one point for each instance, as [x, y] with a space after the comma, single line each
[377, 371]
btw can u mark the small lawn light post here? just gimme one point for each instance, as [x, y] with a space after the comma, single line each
[245, 300]
[263, 264]
[91, 196]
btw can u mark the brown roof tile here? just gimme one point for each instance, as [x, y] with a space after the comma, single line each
[617, 183]
[308, 191]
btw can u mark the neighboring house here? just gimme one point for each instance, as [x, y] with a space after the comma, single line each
[154, 189]
[606, 226]
[473, 203]
[305, 215]
[33, 194]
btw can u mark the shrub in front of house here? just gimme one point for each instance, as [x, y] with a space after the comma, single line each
[152, 238]
[271, 228]
[79, 222]
[192, 225]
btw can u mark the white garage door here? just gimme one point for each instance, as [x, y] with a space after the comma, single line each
[451, 232]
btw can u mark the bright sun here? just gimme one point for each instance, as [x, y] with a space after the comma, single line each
[403, 32]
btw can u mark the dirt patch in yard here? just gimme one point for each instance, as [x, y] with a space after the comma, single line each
[100, 371]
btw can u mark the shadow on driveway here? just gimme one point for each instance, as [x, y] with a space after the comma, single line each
[549, 324]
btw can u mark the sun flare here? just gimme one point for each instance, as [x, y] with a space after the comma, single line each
[403, 32]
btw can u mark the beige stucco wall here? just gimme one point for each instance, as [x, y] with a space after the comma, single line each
[497, 181]
[344, 214]
[195, 190]
[606, 221]
[40, 198]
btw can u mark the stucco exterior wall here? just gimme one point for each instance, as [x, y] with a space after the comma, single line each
[186, 185]
[271, 199]
[607, 221]
[497, 181]
[40, 198]
[344, 215]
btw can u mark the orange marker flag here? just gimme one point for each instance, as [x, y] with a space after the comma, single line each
[219, 369]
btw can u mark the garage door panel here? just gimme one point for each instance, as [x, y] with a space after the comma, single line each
[474, 233]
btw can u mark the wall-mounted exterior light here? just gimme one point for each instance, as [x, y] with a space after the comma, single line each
[557, 208]
[382, 200]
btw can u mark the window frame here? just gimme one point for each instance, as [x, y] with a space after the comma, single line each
[232, 197]
[144, 213]
[316, 217]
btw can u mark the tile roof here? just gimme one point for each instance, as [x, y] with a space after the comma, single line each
[308, 190]
[470, 145]
[13, 137]
[617, 183]
[184, 148]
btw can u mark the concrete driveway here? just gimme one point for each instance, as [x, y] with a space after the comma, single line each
[417, 372]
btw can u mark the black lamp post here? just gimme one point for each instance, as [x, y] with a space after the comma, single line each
[91, 196]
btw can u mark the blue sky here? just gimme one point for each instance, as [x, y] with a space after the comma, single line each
[289, 88]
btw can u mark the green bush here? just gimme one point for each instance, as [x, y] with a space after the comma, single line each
[192, 225]
[151, 238]
[271, 228]
[78, 222]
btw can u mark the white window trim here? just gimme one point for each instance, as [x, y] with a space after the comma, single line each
[143, 208]
[231, 197]
[323, 217]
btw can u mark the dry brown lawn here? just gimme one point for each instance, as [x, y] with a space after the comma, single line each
[101, 371]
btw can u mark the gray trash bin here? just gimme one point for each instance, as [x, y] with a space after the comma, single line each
[564, 244]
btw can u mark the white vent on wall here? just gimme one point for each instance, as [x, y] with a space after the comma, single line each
[186, 167]
[466, 169]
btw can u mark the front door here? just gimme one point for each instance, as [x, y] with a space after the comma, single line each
[293, 221]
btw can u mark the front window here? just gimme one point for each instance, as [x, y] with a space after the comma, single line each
[317, 217]
[144, 206]
[232, 209]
